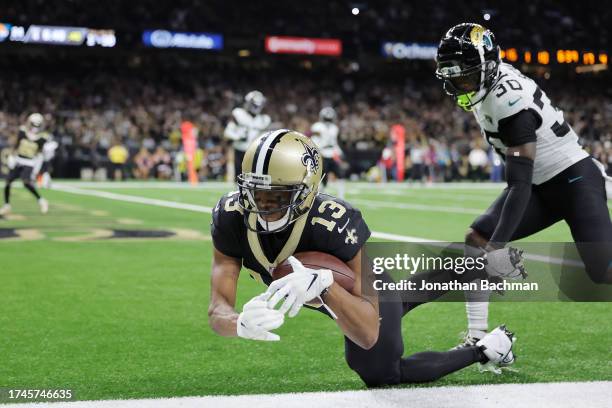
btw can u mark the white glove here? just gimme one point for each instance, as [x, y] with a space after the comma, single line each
[299, 287]
[256, 320]
[506, 263]
[11, 162]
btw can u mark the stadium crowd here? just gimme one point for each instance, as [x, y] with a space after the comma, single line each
[91, 116]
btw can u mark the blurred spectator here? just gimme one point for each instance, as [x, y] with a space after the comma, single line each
[143, 164]
[162, 164]
[478, 161]
[118, 156]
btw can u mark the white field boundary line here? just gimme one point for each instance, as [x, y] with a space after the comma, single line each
[536, 395]
[208, 210]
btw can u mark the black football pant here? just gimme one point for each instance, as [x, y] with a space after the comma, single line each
[384, 363]
[576, 195]
[23, 172]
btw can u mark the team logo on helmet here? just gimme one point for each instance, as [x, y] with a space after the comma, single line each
[476, 34]
[310, 158]
[480, 36]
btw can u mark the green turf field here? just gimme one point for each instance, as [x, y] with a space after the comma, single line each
[121, 315]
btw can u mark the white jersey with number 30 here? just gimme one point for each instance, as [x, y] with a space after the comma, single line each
[557, 146]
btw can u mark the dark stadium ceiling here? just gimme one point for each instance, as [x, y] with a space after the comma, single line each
[522, 23]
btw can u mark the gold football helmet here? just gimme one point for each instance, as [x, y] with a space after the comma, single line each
[35, 122]
[281, 172]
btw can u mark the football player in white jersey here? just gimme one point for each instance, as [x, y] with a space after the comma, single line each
[43, 164]
[245, 125]
[550, 177]
[325, 135]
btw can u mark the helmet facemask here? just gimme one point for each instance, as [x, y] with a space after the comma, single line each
[276, 206]
[468, 86]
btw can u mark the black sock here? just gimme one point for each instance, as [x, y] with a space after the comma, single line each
[431, 365]
[32, 189]
[7, 193]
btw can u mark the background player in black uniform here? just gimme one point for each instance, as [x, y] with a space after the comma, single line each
[30, 142]
[277, 212]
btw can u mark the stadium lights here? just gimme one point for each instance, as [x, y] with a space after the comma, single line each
[355, 11]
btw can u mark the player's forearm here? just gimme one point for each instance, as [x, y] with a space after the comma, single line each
[223, 319]
[511, 214]
[357, 317]
[519, 173]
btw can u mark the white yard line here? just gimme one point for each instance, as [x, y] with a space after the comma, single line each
[208, 210]
[416, 207]
[537, 395]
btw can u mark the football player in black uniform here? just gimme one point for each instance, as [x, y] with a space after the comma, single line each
[278, 211]
[30, 142]
[550, 176]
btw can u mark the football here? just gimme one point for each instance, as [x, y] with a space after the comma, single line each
[343, 275]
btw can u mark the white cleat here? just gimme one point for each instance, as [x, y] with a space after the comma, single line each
[497, 347]
[5, 209]
[44, 205]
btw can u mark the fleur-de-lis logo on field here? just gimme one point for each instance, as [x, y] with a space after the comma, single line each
[310, 158]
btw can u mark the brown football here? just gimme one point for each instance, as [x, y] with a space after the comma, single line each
[343, 275]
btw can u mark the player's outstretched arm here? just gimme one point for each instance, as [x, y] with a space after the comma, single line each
[357, 314]
[222, 317]
[519, 174]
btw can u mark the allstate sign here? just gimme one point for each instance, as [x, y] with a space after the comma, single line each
[177, 39]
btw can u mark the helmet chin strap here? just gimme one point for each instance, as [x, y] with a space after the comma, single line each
[274, 225]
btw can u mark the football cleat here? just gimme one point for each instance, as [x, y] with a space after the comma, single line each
[497, 346]
[5, 209]
[44, 205]
[467, 341]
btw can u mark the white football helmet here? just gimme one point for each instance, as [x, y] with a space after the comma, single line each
[254, 102]
[327, 114]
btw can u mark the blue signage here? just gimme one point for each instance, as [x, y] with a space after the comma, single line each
[177, 39]
[401, 50]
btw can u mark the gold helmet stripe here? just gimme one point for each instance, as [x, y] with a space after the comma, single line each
[264, 151]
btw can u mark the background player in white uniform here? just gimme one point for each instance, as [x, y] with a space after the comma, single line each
[550, 177]
[325, 135]
[28, 151]
[43, 163]
[245, 125]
